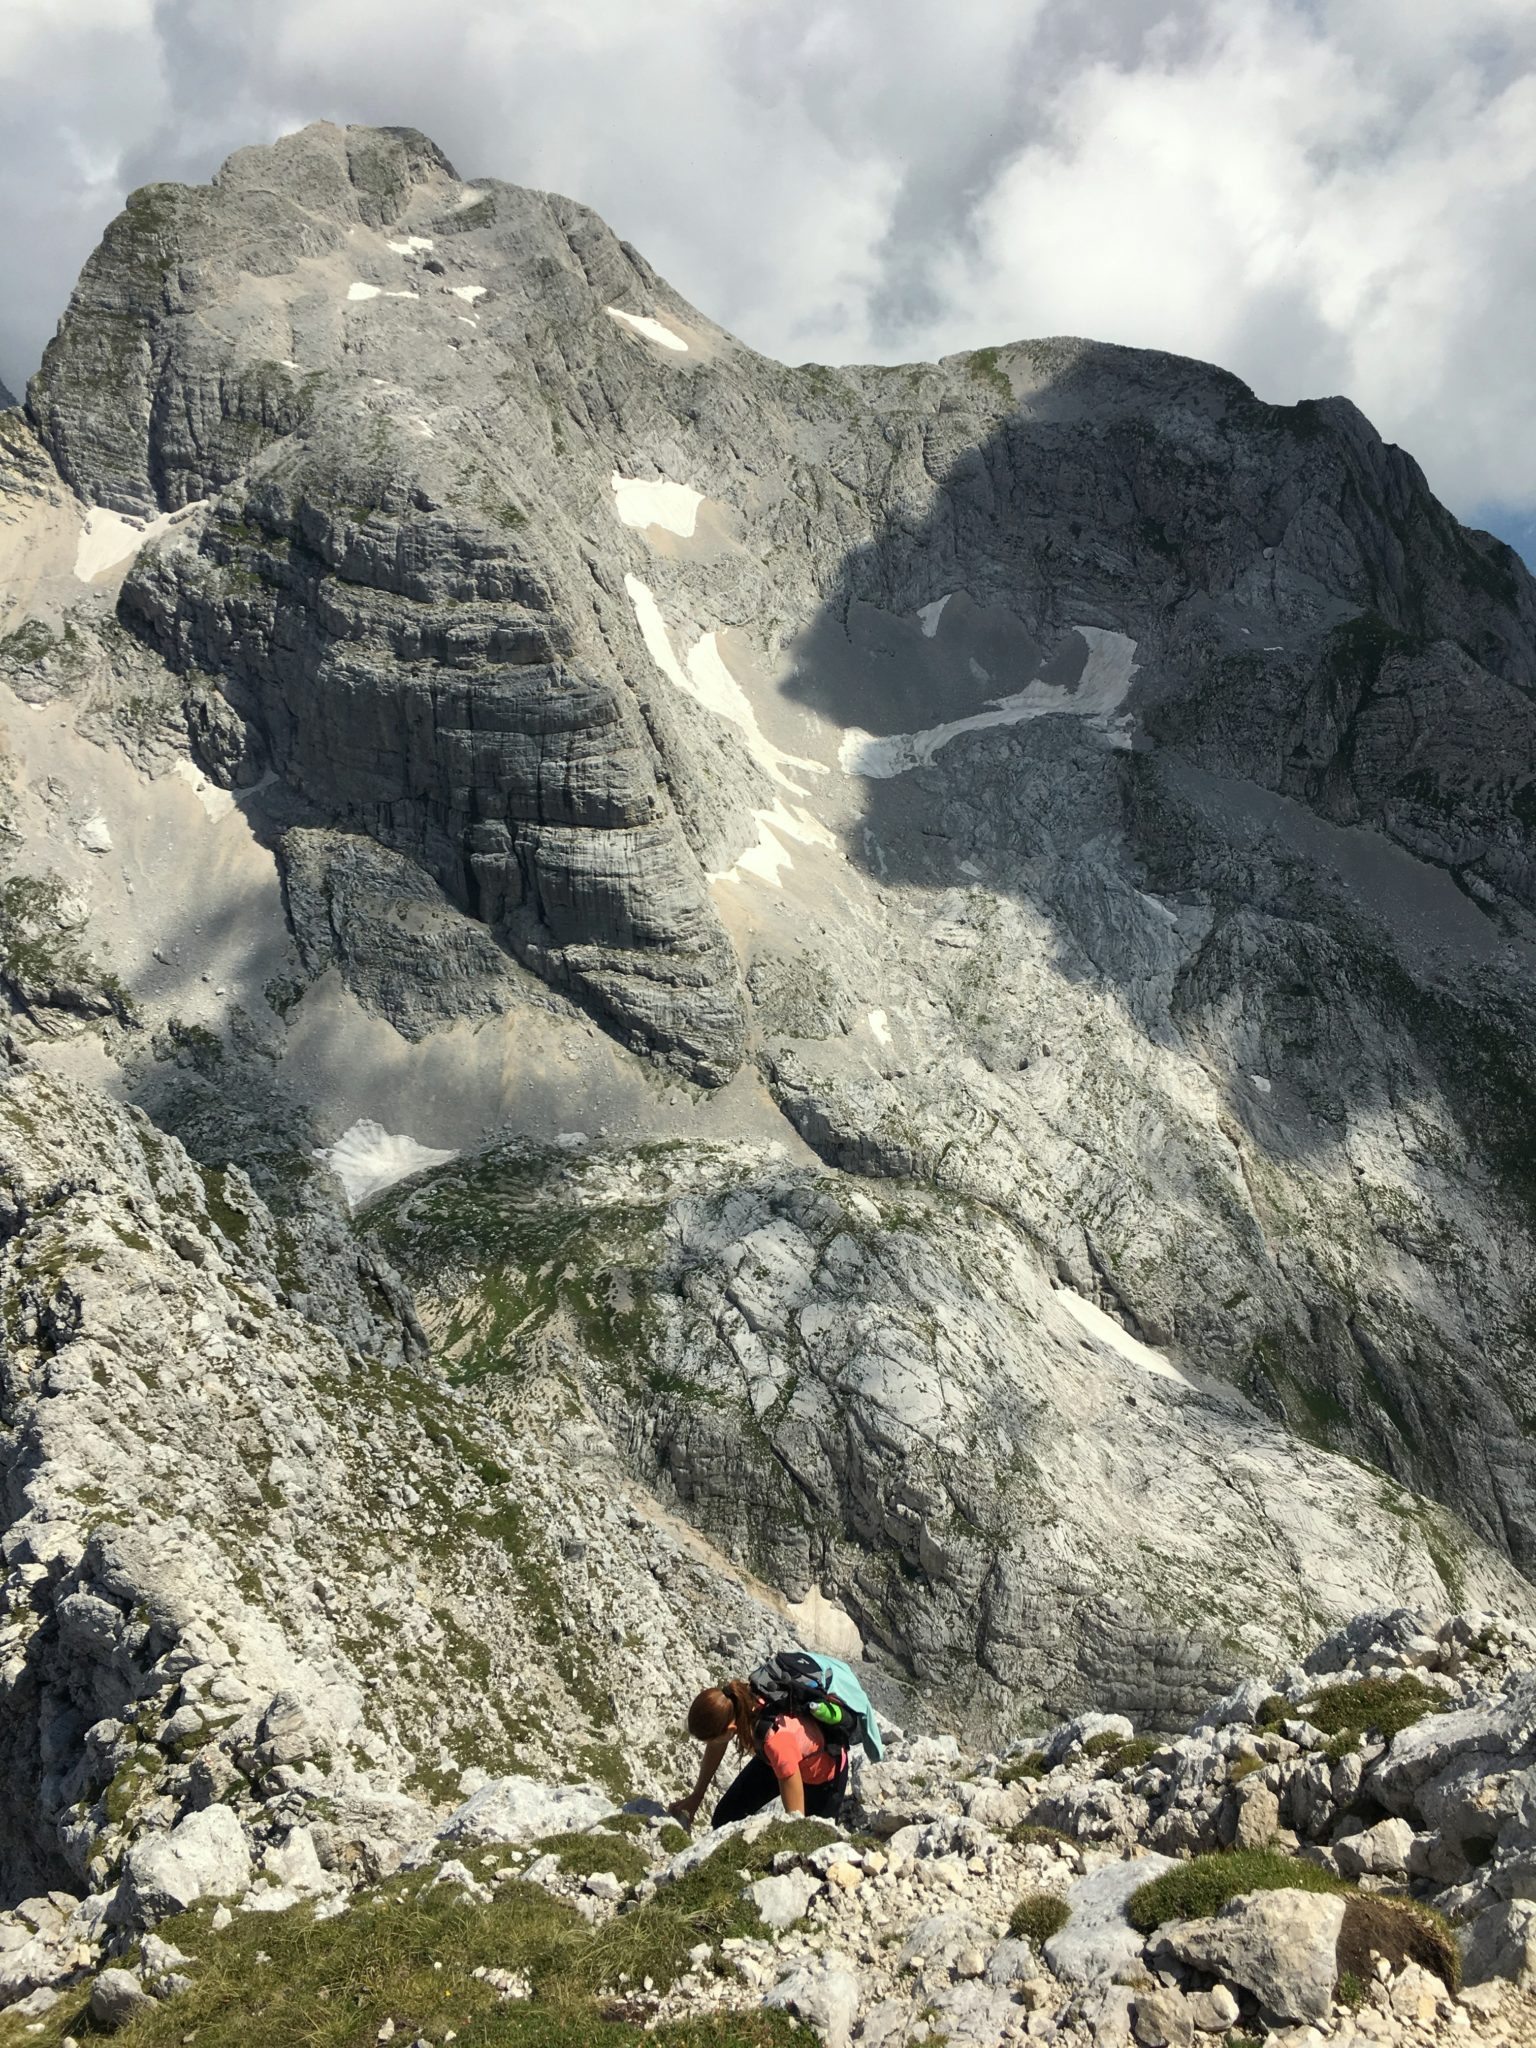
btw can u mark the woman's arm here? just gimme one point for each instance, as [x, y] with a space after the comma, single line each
[686, 1809]
[792, 1792]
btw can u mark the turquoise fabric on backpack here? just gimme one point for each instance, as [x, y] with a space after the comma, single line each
[840, 1679]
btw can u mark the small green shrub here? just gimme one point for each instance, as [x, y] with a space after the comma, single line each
[1350, 1990]
[1384, 1706]
[1274, 1710]
[1031, 1765]
[1204, 1884]
[1130, 1756]
[1245, 1768]
[1038, 1916]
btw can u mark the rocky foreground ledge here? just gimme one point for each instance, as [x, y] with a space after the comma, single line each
[1344, 1851]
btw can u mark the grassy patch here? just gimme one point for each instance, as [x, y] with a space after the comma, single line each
[983, 365]
[1402, 1932]
[1038, 1916]
[1031, 1765]
[1032, 1835]
[1383, 1706]
[1204, 1884]
[584, 1854]
[1128, 1755]
[407, 1953]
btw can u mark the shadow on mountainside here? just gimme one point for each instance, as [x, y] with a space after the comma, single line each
[1292, 860]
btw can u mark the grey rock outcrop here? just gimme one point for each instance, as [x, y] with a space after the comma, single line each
[1011, 1498]
[204, 1856]
[1281, 1946]
[259, 1583]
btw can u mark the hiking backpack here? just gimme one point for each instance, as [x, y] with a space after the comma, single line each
[795, 1681]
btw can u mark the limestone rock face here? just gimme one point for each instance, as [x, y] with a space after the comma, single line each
[204, 1856]
[1047, 836]
[1082, 787]
[888, 1396]
[1281, 1946]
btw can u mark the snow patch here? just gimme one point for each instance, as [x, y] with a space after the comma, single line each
[769, 856]
[642, 502]
[880, 1030]
[217, 803]
[708, 681]
[108, 540]
[1104, 1327]
[367, 1159]
[362, 291]
[468, 292]
[930, 614]
[831, 1628]
[1097, 698]
[642, 323]
[412, 245]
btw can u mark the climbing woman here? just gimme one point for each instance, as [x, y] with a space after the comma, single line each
[786, 1749]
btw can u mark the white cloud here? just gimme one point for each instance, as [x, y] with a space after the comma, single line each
[1324, 195]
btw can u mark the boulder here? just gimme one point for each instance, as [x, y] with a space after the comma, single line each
[1279, 1945]
[825, 1995]
[1098, 1940]
[1502, 1944]
[1379, 1851]
[117, 1997]
[1162, 2019]
[782, 1900]
[937, 1939]
[205, 1856]
[519, 1809]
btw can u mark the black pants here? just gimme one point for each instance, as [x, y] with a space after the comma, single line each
[754, 1786]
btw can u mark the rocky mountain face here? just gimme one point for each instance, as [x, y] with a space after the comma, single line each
[658, 1001]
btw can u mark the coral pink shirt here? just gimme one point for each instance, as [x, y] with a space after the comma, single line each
[795, 1743]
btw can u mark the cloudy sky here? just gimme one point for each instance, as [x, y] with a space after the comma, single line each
[1323, 195]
